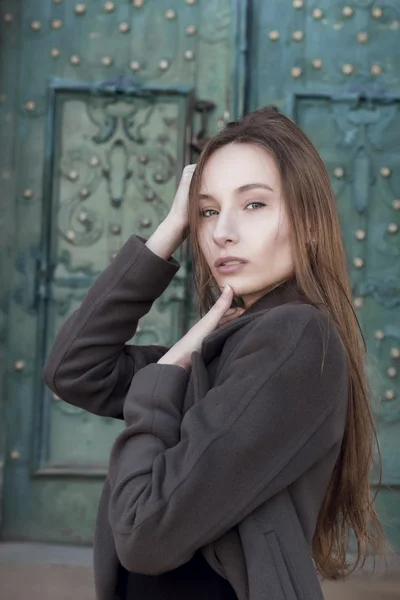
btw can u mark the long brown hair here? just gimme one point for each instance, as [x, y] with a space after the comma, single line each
[320, 270]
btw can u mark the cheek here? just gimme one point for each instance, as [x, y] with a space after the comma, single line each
[272, 240]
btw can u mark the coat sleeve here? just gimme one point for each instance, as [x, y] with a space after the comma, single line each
[177, 484]
[90, 364]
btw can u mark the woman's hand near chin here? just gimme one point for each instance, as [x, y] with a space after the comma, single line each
[218, 315]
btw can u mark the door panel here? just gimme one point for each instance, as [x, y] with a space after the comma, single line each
[100, 119]
[116, 159]
[338, 78]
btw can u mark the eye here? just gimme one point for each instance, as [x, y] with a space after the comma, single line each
[207, 210]
[259, 205]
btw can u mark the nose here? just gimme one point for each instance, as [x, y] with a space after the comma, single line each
[225, 230]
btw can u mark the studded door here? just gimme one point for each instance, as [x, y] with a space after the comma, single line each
[111, 100]
[339, 78]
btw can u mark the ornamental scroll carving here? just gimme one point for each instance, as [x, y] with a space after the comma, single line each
[128, 152]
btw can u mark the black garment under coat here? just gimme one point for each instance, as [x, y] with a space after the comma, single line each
[233, 458]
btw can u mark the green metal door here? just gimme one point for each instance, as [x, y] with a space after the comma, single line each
[99, 106]
[338, 77]
[104, 103]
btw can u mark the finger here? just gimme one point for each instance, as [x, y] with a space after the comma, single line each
[186, 178]
[222, 305]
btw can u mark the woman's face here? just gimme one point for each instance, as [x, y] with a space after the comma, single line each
[242, 215]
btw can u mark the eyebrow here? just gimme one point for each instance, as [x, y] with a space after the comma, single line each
[243, 188]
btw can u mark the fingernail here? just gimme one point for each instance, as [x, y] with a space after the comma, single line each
[226, 290]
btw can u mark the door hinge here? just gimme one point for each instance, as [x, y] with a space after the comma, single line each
[199, 140]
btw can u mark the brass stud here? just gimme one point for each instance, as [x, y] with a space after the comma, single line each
[150, 196]
[298, 4]
[396, 204]
[15, 455]
[71, 235]
[124, 27]
[379, 334]
[358, 263]
[360, 234]
[137, 3]
[115, 229]
[317, 63]
[8, 17]
[30, 105]
[358, 302]
[36, 25]
[145, 223]
[376, 70]
[390, 395]
[56, 24]
[377, 12]
[55, 52]
[191, 30]
[317, 14]
[73, 175]
[385, 172]
[347, 11]
[28, 193]
[338, 172]
[143, 158]
[106, 61]
[395, 352]
[57, 1]
[347, 69]
[163, 65]
[391, 372]
[3, 97]
[296, 72]
[83, 216]
[191, 2]
[84, 193]
[80, 9]
[135, 65]
[273, 35]
[362, 37]
[298, 35]
[393, 228]
[94, 161]
[75, 60]
[170, 14]
[109, 7]
[19, 365]
[189, 55]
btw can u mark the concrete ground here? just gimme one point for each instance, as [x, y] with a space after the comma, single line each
[48, 572]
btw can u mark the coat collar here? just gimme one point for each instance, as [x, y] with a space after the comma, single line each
[285, 293]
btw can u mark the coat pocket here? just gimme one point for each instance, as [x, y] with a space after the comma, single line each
[281, 566]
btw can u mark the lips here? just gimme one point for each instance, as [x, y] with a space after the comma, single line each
[228, 260]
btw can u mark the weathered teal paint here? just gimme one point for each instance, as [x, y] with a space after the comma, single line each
[102, 115]
[98, 124]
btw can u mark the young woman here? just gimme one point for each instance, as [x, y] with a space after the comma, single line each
[244, 462]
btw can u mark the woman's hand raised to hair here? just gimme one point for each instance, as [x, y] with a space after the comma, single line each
[171, 232]
[179, 208]
[218, 315]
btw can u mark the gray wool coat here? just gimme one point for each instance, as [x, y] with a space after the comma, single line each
[233, 458]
